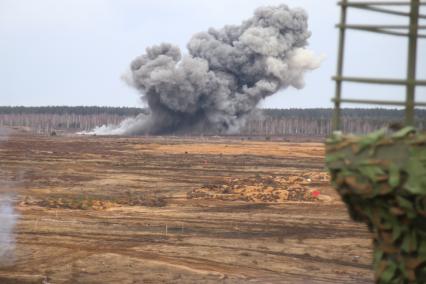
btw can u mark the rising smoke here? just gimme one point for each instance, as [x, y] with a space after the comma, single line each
[8, 217]
[227, 72]
[8, 220]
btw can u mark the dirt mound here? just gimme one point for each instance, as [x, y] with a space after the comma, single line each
[89, 203]
[263, 189]
[70, 203]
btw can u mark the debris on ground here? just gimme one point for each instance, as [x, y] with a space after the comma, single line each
[264, 189]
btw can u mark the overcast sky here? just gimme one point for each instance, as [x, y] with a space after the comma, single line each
[73, 52]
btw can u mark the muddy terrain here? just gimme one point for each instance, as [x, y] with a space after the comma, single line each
[176, 210]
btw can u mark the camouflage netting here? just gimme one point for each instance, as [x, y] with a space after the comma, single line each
[382, 179]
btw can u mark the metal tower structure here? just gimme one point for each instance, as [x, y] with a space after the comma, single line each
[411, 32]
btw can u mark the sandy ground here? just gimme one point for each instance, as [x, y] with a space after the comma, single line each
[123, 210]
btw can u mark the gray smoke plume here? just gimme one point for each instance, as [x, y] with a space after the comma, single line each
[223, 78]
[8, 217]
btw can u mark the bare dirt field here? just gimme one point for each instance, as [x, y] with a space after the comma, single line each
[177, 210]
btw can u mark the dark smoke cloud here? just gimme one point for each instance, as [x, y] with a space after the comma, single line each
[226, 73]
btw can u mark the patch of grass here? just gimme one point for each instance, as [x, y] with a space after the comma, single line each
[87, 202]
[143, 199]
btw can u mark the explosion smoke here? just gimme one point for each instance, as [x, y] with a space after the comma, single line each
[224, 76]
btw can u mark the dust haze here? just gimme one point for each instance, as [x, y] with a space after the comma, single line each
[8, 216]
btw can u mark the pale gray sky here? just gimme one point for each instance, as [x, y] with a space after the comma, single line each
[73, 52]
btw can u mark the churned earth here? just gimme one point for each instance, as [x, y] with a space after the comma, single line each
[177, 210]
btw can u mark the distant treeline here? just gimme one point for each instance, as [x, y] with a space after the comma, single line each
[367, 113]
[317, 122]
[273, 113]
[270, 122]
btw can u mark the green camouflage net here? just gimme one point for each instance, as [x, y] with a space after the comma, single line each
[382, 179]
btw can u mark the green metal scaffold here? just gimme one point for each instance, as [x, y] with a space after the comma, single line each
[410, 31]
